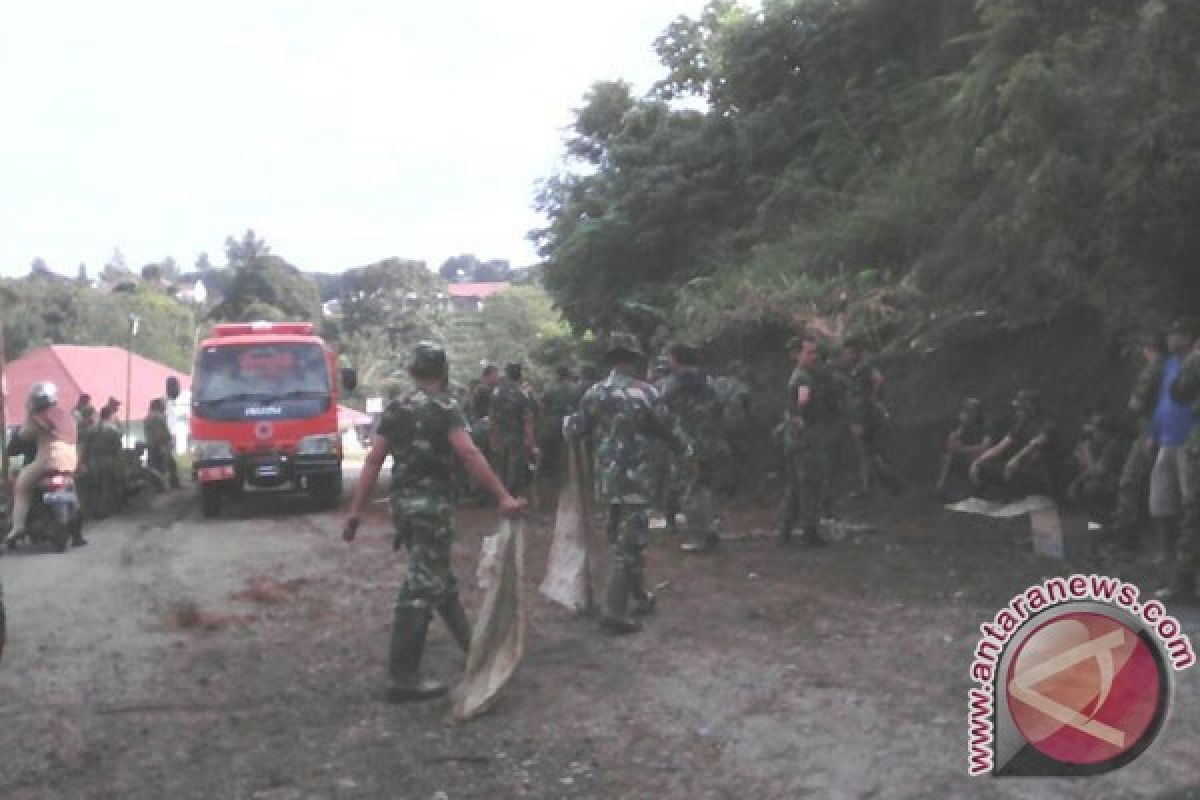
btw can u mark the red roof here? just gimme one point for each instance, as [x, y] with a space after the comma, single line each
[479, 290]
[98, 371]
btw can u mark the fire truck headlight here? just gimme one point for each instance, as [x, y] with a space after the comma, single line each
[214, 450]
[322, 444]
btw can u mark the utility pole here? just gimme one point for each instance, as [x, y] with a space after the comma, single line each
[133, 329]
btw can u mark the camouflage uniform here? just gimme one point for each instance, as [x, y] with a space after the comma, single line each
[508, 409]
[691, 399]
[104, 475]
[558, 401]
[1135, 474]
[161, 446]
[665, 474]
[624, 412]
[1186, 390]
[417, 428]
[863, 409]
[1035, 474]
[812, 437]
[735, 397]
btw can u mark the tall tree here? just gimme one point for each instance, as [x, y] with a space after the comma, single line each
[240, 252]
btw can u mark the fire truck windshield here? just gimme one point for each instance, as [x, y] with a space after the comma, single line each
[247, 381]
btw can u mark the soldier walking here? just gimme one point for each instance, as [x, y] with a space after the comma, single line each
[425, 433]
[558, 402]
[692, 400]
[811, 428]
[624, 411]
[513, 446]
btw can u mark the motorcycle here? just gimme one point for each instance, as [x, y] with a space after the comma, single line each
[54, 514]
[55, 517]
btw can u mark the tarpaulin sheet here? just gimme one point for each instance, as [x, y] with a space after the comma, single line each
[567, 570]
[498, 640]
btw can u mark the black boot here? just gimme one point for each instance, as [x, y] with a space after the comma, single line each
[1168, 540]
[644, 601]
[616, 618]
[455, 616]
[409, 626]
[705, 544]
[813, 537]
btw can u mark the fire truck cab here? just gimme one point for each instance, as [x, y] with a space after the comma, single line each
[265, 413]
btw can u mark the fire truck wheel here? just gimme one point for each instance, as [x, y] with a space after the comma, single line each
[326, 490]
[210, 500]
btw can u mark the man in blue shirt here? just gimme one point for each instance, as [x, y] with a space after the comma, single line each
[1169, 430]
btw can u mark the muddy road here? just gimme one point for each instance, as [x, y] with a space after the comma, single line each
[243, 658]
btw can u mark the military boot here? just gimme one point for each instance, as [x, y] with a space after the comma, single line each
[814, 536]
[1168, 540]
[616, 618]
[409, 627]
[1183, 586]
[644, 601]
[702, 544]
[455, 616]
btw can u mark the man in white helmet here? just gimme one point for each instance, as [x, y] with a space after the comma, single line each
[52, 428]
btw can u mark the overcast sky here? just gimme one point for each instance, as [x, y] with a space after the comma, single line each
[342, 132]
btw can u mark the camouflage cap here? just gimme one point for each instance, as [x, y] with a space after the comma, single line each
[428, 358]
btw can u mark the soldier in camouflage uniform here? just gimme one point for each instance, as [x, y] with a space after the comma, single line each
[866, 415]
[624, 411]
[1135, 473]
[425, 433]
[691, 399]
[736, 419]
[104, 470]
[1021, 463]
[811, 436]
[558, 401]
[513, 447]
[160, 444]
[666, 481]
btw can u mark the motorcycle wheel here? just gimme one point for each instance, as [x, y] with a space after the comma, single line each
[57, 534]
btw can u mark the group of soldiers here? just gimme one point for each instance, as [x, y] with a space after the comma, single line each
[659, 439]
[107, 473]
[1143, 461]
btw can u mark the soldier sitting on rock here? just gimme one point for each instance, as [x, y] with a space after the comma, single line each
[1020, 463]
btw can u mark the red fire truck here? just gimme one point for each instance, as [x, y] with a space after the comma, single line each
[265, 413]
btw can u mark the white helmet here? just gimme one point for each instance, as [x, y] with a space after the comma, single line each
[42, 396]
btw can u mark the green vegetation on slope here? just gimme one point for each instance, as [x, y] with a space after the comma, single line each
[1024, 153]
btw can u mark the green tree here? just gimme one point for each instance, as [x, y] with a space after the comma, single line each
[244, 251]
[268, 288]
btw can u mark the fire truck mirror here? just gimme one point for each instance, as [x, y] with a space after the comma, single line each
[173, 387]
[349, 379]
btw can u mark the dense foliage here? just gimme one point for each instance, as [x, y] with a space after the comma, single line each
[50, 310]
[1027, 152]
